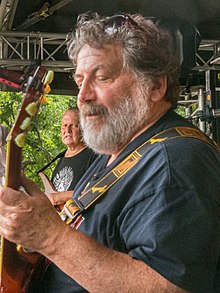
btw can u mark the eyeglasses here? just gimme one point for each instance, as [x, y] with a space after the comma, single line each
[112, 23]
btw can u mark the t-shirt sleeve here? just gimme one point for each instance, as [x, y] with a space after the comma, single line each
[166, 231]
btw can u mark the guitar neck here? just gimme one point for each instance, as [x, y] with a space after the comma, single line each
[13, 165]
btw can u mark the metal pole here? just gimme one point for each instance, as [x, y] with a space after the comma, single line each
[201, 107]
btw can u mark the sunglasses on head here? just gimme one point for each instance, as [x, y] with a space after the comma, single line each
[112, 23]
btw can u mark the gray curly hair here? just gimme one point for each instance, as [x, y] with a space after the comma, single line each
[147, 49]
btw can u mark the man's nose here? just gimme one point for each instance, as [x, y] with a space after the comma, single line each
[86, 92]
[69, 128]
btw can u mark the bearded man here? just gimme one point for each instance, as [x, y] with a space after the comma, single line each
[148, 215]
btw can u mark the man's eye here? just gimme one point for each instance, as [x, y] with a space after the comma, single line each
[78, 83]
[102, 78]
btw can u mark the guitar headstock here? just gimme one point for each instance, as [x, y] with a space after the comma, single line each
[35, 88]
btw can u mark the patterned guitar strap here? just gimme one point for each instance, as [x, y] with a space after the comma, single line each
[75, 207]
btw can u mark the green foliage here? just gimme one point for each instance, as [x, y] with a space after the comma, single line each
[180, 110]
[43, 141]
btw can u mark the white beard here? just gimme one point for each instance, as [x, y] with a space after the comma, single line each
[120, 124]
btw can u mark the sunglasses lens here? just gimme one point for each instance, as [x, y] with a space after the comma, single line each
[114, 22]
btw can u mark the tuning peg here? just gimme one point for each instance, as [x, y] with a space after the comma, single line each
[19, 140]
[26, 123]
[49, 77]
[31, 109]
[47, 88]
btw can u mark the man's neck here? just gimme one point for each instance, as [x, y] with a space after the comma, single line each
[74, 150]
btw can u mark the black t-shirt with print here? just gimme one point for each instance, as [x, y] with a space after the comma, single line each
[69, 171]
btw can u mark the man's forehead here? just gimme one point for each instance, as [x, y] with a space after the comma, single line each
[108, 52]
[70, 115]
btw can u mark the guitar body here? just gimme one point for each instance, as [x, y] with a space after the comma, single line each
[20, 268]
[19, 271]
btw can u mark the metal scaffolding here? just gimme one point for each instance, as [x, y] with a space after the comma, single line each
[19, 49]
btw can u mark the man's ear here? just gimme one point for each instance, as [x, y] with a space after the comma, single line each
[159, 89]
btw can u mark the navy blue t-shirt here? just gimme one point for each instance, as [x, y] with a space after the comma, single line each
[165, 211]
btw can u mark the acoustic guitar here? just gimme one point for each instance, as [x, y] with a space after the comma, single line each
[18, 266]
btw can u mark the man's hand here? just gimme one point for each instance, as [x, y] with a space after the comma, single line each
[59, 198]
[29, 220]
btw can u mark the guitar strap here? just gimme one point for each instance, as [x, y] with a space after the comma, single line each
[60, 155]
[74, 207]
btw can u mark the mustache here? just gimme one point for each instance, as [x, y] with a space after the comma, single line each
[93, 109]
